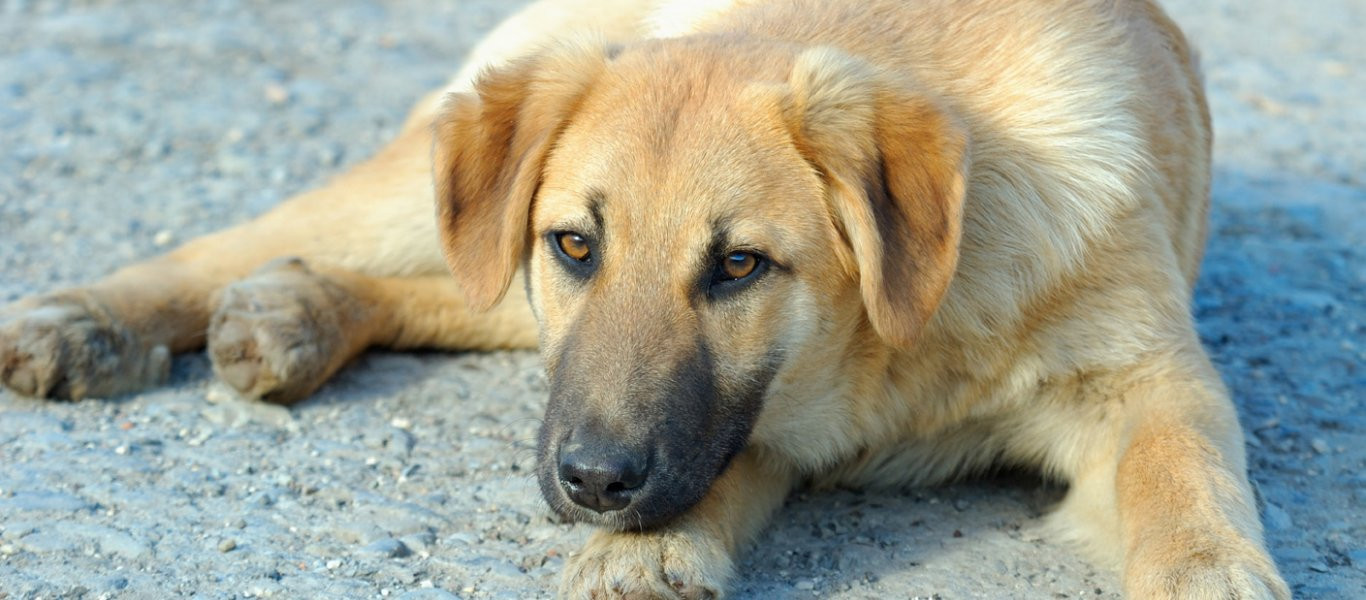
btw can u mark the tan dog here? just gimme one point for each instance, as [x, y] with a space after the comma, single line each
[868, 243]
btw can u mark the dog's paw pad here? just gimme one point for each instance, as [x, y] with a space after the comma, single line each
[278, 334]
[69, 346]
[663, 565]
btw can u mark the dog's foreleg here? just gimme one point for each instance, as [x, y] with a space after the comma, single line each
[283, 331]
[117, 334]
[692, 557]
[1187, 518]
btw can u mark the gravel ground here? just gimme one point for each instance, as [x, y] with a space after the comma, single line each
[130, 126]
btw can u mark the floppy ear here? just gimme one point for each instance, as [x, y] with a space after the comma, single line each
[896, 165]
[488, 152]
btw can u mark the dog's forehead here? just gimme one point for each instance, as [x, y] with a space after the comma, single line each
[672, 154]
[670, 162]
[693, 195]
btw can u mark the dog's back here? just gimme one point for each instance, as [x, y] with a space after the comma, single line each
[1081, 114]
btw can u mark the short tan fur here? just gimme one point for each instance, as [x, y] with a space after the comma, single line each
[977, 225]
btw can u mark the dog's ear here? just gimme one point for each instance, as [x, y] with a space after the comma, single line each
[489, 149]
[895, 163]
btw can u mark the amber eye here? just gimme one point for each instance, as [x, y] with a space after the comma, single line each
[738, 265]
[574, 246]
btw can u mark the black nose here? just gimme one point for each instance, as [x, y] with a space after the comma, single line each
[600, 475]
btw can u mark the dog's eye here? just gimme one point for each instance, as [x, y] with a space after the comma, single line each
[738, 265]
[734, 271]
[574, 246]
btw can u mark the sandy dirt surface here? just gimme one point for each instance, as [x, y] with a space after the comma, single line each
[128, 127]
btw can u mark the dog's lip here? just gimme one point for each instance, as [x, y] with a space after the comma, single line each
[623, 519]
[611, 519]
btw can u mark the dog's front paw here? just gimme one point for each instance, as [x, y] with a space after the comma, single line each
[70, 345]
[1213, 569]
[281, 332]
[669, 564]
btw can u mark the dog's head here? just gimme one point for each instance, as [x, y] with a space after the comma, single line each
[698, 220]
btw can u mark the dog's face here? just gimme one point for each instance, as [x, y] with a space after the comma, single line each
[693, 227]
[673, 261]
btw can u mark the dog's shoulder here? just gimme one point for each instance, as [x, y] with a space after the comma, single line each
[676, 18]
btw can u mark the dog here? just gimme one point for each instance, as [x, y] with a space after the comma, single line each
[764, 243]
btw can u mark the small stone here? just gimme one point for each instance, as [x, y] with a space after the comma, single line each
[961, 505]
[420, 541]
[806, 585]
[1320, 446]
[163, 238]
[276, 93]
[330, 156]
[227, 545]
[387, 547]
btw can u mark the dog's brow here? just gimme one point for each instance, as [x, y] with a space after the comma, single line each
[595, 199]
[730, 232]
[720, 236]
[724, 236]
